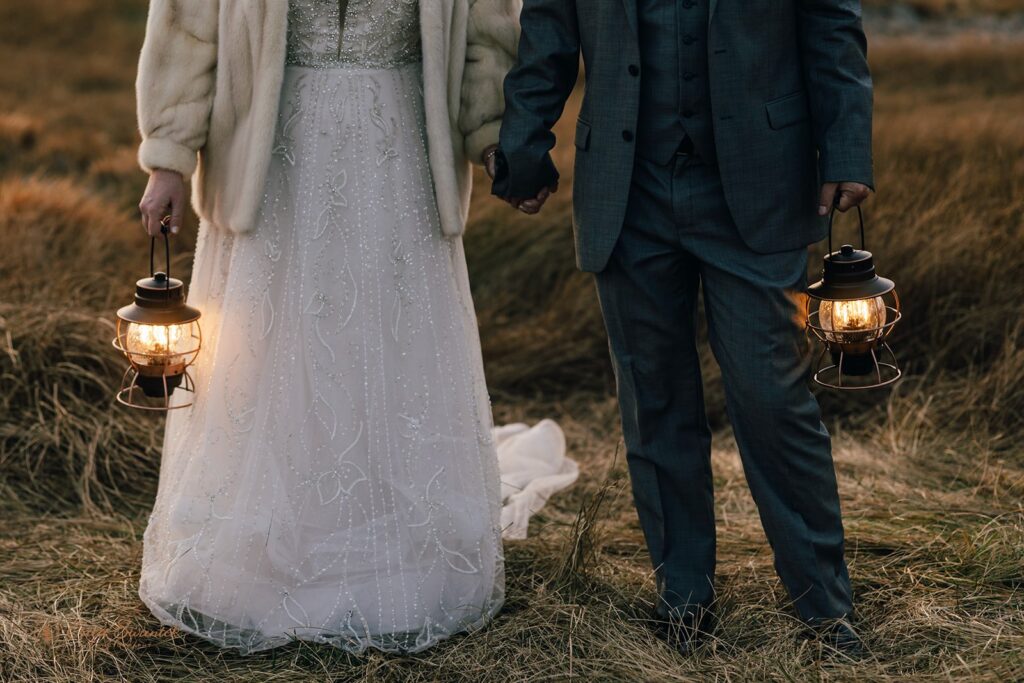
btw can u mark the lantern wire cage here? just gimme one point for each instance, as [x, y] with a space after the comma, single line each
[182, 380]
[153, 375]
[864, 347]
[885, 369]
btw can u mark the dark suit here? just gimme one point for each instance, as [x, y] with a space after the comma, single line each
[790, 95]
[776, 101]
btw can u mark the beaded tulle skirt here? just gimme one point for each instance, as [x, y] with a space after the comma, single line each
[336, 478]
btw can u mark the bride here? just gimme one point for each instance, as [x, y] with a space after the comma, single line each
[337, 477]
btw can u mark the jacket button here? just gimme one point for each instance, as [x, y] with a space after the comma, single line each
[688, 39]
[687, 113]
[627, 136]
[634, 70]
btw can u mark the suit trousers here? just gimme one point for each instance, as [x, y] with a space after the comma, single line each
[678, 237]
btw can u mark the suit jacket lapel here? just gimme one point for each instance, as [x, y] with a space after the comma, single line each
[630, 7]
[711, 10]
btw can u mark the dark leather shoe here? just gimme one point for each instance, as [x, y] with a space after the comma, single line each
[685, 632]
[840, 638]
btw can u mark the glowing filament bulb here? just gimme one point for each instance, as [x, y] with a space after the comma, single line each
[158, 344]
[857, 320]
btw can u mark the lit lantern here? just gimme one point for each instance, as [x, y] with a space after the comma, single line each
[852, 311]
[159, 335]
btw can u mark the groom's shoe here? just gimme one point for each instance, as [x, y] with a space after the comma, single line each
[839, 638]
[685, 632]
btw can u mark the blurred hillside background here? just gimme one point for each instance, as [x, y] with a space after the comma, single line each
[931, 471]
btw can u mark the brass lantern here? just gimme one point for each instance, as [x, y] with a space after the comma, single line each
[852, 311]
[159, 335]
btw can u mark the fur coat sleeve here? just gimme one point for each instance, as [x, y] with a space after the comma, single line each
[175, 83]
[492, 36]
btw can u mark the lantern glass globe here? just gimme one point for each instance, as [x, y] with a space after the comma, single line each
[853, 321]
[159, 345]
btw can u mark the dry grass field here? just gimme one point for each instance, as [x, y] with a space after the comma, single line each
[931, 472]
[960, 8]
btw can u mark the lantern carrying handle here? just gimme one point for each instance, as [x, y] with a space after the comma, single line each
[165, 231]
[831, 216]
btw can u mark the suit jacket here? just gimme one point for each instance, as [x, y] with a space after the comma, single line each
[209, 84]
[790, 96]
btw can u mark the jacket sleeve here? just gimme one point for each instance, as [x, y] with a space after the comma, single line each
[834, 55]
[536, 90]
[492, 34]
[175, 83]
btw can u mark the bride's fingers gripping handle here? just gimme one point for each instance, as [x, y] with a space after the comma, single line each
[164, 196]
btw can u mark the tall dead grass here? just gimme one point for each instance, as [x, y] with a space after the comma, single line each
[954, 8]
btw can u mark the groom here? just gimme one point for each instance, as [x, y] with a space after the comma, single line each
[713, 138]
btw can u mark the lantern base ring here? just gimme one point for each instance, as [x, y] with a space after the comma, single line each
[885, 371]
[131, 390]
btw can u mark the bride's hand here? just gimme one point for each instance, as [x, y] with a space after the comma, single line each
[490, 165]
[165, 194]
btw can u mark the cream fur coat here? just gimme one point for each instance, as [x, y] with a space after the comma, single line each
[209, 80]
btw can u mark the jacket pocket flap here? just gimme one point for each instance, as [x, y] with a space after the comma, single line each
[582, 134]
[787, 110]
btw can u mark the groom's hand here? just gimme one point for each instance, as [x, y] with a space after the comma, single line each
[533, 204]
[844, 196]
[497, 169]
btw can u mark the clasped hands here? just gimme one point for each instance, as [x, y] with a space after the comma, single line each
[533, 204]
[529, 205]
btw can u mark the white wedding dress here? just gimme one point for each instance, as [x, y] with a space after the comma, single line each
[337, 477]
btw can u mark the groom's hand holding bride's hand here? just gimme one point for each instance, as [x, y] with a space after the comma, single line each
[843, 196]
[529, 205]
[534, 204]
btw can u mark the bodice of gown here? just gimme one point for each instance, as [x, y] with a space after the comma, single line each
[374, 34]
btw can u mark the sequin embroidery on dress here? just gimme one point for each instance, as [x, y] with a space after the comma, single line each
[377, 33]
[336, 479]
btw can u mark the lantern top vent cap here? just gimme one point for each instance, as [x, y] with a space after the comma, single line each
[159, 291]
[847, 254]
[159, 300]
[850, 274]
